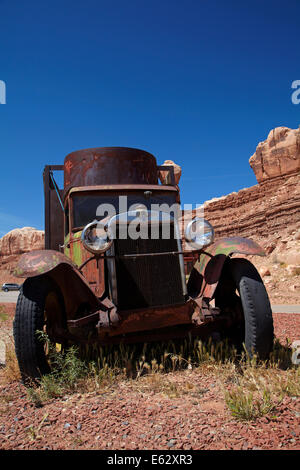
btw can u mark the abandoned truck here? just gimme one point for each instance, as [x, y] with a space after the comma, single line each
[96, 282]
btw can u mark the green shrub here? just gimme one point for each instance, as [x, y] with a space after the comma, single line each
[245, 406]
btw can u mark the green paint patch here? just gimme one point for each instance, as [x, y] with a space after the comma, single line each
[77, 249]
[67, 246]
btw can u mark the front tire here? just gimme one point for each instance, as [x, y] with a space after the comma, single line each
[35, 298]
[255, 328]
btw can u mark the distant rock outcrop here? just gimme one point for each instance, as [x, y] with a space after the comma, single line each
[12, 245]
[21, 240]
[278, 155]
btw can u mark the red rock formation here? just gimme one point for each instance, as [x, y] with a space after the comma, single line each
[260, 211]
[21, 240]
[278, 155]
[12, 245]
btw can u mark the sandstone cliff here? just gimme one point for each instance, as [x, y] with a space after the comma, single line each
[21, 240]
[278, 155]
[12, 245]
[271, 208]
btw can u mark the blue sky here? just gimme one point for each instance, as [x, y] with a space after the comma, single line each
[197, 82]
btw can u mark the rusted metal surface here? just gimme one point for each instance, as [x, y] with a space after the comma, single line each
[40, 262]
[113, 165]
[152, 318]
[204, 311]
[190, 259]
[206, 272]
[230, 245]
[83, 321]
[140, 255]
[110, 322]
[188, 330]
[91, 267]
[202, 331]
[166, 174]
[105, 170]
[103, 318]
[54, 215]
[73, 285]
[82, 277]
[122, 187]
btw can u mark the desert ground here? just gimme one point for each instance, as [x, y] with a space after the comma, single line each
[212, 403]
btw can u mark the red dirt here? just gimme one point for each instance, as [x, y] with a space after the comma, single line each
[286, 326]
[126, 416]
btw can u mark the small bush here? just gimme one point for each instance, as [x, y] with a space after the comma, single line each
[66, 372]
[261, 386]
[246, 406]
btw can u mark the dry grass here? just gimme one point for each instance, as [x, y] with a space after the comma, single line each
[34, 433]
[11, 372]
[250, 388]
[3, 314]
[247, 406]
[173, 386]
[261, 387]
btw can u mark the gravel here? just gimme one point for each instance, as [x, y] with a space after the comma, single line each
[127, 418]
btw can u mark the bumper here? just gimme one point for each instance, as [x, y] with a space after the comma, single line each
[152, 318]
[151, 324]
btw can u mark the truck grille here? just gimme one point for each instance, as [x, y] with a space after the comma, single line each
[148, 281]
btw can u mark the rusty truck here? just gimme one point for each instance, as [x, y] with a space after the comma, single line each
[91, 285]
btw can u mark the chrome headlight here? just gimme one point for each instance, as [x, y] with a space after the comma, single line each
[199, 233]
[95, 237]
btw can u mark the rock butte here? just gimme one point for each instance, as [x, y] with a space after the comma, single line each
[278, 155]
[13, 244]
[21, 240]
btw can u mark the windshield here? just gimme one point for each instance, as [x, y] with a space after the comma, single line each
[88, 207]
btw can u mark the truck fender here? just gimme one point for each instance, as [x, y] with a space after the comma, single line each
[206, 272]
[55, 265]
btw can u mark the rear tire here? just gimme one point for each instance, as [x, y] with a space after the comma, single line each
[29, 320]
[255, 329]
